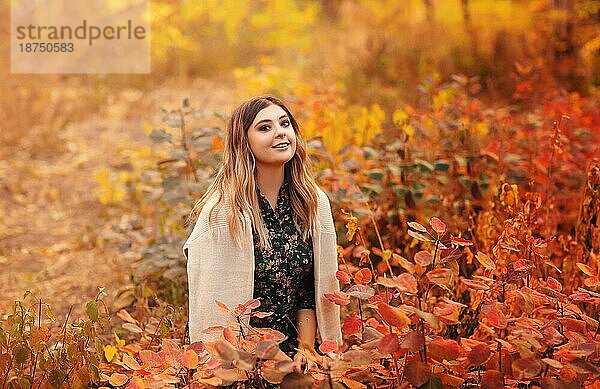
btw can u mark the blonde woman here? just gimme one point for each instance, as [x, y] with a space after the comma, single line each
[264, 231]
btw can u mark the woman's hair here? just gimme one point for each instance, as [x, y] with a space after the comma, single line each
[235, 181]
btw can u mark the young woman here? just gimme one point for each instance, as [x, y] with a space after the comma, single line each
[264, 231]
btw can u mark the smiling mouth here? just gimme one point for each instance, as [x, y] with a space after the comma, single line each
[281, 146]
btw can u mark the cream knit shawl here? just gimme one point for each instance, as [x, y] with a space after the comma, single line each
[219, 270]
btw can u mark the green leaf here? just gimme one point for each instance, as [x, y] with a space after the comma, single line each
[371, 190]
[159, 135]
[164, 327]
[49, 313]
[170, 182]
[21, 353]
[442, 166]
[19, 382]
[434, 382]
[375, 174]
[91, 309]
[179, 154]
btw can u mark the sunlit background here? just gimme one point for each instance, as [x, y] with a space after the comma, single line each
[88, 197]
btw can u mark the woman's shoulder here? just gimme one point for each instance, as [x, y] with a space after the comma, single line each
[213, 215]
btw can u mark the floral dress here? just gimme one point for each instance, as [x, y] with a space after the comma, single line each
[284, 274]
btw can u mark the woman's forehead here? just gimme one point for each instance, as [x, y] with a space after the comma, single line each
[272, 112]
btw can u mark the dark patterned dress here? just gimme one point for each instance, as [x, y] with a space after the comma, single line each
[284, 274]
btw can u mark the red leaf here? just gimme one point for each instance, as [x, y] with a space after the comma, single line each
[362, 292]
[496, 318]
[554, 284]
[460, 241]
[329, 346]
[267, 349]
[476, 285]
[393, 316]
[417, 373]
[337, 297]
[389, 344]
[527, 368]
[363, 276]
[440, 276]
[437, 225]
[413, 341]
[343, 277]
[479, 354]
[492, 379]
[440, 349]
[423, 258]
[252, 304]
[417, 226]
[352, 325]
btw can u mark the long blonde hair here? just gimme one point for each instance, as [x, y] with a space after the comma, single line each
[235, 181]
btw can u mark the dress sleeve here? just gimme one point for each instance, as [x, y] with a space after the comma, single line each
[306, 294]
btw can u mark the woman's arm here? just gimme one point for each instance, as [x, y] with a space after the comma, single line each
[306, 322]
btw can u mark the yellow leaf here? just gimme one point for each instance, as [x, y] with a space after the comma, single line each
[485, 261]
[109, 352]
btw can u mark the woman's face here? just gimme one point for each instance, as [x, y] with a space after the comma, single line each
[271, 137]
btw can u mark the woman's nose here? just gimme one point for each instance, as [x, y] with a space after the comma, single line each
[279, 131]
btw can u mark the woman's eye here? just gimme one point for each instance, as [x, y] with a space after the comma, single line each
[264, 128]
[285, 123]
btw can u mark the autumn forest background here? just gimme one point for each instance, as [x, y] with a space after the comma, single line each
[459, 144]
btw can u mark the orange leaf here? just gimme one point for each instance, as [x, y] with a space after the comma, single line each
[131, 363]
[440, 349]
[393, 316]
[406, 283]
[125, 316]
[118, 379]
[136, 383]
[189, 359]
[363, 276]
[586, 269]
[222, 307]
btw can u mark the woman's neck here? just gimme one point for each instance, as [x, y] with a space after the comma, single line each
[269, 180]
